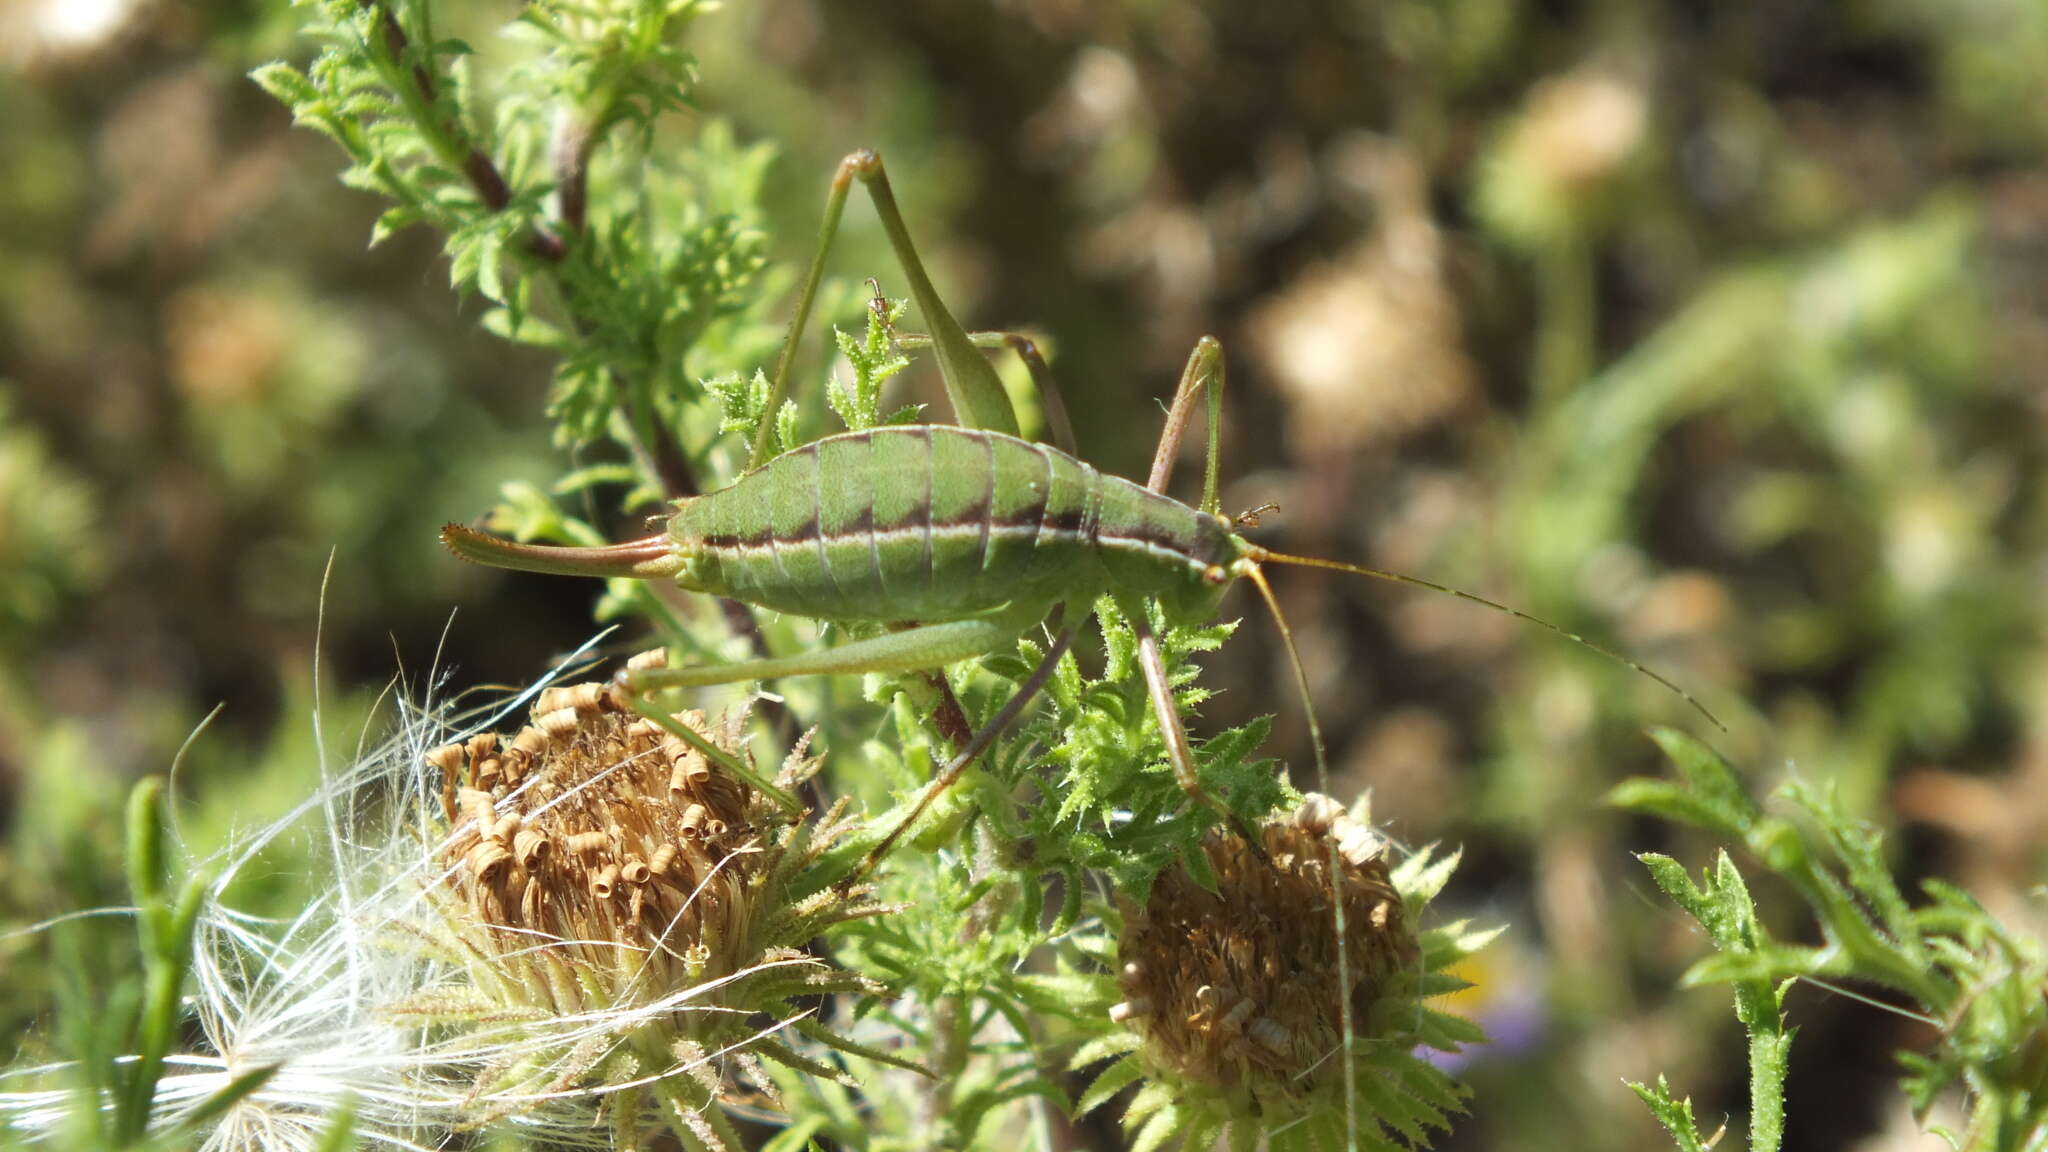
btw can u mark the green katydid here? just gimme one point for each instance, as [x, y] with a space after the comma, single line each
[970, 531]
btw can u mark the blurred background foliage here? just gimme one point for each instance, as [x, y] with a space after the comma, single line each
[1719, 331]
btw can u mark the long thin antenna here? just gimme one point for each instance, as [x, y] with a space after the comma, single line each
[1262, 556]
[1315, 739]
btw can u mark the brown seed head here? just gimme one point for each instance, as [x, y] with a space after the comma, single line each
[627, 911]
[594, 841]
[1235, 990]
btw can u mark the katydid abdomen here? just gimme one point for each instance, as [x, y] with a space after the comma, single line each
[934, 522]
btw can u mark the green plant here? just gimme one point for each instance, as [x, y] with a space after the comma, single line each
[1954, 965]
[119, 1030]
[568, 199]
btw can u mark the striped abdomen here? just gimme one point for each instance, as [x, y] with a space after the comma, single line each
[933, 522]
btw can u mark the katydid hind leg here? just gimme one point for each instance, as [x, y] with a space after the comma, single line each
[911, 650]
[971, 384]
[835, 208]
[1203, 374]
[1050, 401]
[915, 649]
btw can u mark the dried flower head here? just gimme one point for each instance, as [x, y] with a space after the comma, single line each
[1233, 991]
[600, 867]
[1234, 988]
[599, 831]
[586, 921]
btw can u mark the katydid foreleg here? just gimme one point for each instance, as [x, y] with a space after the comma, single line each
[1203, 373]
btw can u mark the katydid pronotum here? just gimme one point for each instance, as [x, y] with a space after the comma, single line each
[971, 532]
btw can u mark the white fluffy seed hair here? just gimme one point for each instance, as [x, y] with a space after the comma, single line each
[313, 995]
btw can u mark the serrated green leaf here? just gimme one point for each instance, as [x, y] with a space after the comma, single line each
[1707, 796]
[1061, 993]
[1431, 1084]
[392, 220]
[490, 267]
[1674, 1115]
[528, 329]
[1440, 984]
[1677, 883]
[287, 84]
[1149, 1100]
[1391, 1109]
[1114, 1079]
[1116, 1042]
[786, 433]
[1160, 1128]
[1423, 875]
[1467, 942]
[1448, 1032]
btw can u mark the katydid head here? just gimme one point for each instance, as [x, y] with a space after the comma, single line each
[1196, 594]
[1180, 560]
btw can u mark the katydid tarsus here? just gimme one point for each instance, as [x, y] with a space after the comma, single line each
[970, 532]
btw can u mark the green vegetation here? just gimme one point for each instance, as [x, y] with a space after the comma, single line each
[1715, 336]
